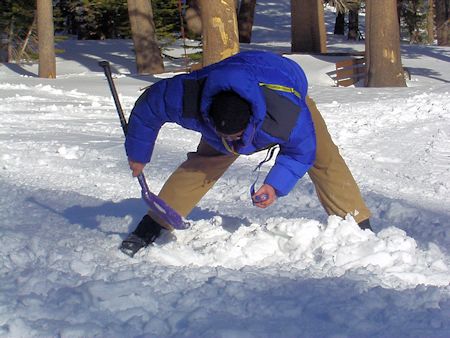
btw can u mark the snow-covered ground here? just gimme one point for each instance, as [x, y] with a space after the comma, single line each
[68, 199]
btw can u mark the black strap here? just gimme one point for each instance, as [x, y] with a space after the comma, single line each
[269, 155]
[192, 93]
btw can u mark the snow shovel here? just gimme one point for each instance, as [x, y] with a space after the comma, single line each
[162, 212]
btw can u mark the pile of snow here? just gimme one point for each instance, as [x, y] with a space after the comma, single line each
[67, 200]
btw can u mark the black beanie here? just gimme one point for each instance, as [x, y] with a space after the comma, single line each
[229, 112]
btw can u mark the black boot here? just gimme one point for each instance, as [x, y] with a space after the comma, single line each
[146, 232]
[365, 225]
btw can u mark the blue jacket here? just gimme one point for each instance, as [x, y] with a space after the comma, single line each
[276, 88]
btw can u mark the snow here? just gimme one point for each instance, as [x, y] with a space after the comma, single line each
[67, 200]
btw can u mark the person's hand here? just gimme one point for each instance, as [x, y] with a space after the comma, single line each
[136, 167]
[265, 196]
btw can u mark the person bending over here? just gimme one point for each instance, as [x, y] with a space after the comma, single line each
[249, 102]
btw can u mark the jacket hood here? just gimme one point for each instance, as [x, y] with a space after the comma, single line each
[245, 84]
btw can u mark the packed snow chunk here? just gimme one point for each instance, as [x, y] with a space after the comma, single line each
[49, 89]
[49, 108]
[71, 153]
[84, 268]
[299, 235]
[13, 86]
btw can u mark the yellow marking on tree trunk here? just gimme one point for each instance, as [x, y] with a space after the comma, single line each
[389, 54]
[228, 52]
[393, 56]
[218, 23]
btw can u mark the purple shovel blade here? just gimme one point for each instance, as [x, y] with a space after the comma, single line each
[160, 208]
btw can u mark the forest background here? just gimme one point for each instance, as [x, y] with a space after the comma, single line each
[109, 19]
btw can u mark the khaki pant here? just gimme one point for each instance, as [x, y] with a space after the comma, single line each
[335, 185]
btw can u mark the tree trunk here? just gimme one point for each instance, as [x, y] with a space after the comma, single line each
[192, 17]
[245, 20]
[353, 25]
[383, 59]
[339, 24]
[148, 54]
[442, 22]
[308, 26]
[430, 22]
[414, 34]
[220, 32]
[46, 38]
[9, 44]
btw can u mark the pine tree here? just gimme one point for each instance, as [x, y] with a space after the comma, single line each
[167, 18]
[105, 19]
[413, 18]
[16, 18]
[97, 19]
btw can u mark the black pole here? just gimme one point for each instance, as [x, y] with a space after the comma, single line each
[157, 205]
[107, 69]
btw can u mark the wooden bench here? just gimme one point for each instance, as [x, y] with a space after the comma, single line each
[350, 71]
